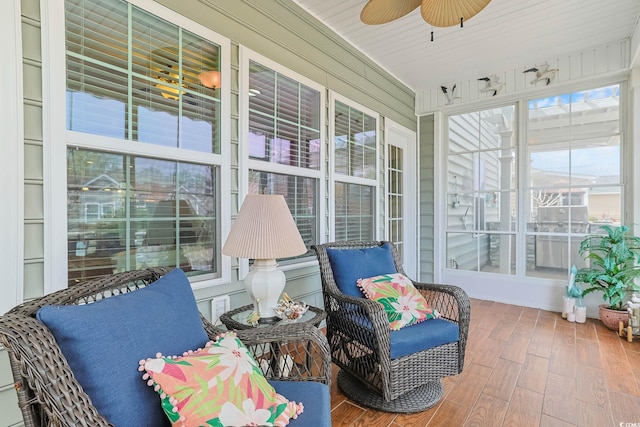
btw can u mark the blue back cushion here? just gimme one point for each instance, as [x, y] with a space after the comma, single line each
[422, 336]
[313, 395]
[349, 265]
[104, 341]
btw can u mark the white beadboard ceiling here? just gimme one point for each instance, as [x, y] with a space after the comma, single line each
[507, 34]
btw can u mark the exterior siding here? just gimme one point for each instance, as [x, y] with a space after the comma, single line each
[426, 179]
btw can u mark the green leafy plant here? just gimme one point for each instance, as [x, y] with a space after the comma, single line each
[614, 258]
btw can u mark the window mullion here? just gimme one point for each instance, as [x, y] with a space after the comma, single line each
[129, 135]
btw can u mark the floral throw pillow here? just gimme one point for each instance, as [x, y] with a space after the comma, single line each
[402, 302]
[217, 386]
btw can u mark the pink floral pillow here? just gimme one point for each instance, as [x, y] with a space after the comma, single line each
[219, 385]
[402, 302]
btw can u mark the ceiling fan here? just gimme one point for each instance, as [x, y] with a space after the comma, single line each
[439, 13]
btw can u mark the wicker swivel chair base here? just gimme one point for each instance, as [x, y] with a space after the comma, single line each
[417, 400]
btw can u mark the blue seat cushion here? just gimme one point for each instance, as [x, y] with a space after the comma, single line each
[422, 336]
[313, 395]
[104, 341]
[349, 265]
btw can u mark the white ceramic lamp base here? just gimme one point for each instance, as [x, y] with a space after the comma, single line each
[265, 284]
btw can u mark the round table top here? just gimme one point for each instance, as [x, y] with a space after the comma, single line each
[237, 319]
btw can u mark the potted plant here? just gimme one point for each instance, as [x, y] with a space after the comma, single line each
[614, 257]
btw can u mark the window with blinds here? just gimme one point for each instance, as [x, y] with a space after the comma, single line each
[355, 171]
[137, 77]
[284, 143]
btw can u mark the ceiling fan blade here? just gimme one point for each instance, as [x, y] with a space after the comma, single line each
[447, 13]
[383, 11]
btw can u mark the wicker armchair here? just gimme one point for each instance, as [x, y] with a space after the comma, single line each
[360, 340]
[48, 393]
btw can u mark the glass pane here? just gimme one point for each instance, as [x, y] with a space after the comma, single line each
[461, 172]
[284, 146]
[287, 99]
[589, 113]
[482, 211]
[309, 112]
[200, 125]
[502, 254]
[155, 50]
[281, 112]
[130, 212]
[495, 170]
[598, 158]
[354, 211]
[262, 83]
[300, 194]
[553, 255]
[595, 112]
[462, 251]
[354, 142]
[310, 149]
[464, 131]
[98, 30]
[497, 128]
[96, 99]
[258, 145]
[549, 166]
[487, 129]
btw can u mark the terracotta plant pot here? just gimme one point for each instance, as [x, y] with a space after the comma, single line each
[611, 318]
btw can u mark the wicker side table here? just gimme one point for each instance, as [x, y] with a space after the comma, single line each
[237, 319]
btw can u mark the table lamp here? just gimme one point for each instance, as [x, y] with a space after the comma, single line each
[263, 231]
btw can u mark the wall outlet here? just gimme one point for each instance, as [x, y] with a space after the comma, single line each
[219, 305]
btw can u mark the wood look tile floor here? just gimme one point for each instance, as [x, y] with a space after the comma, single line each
[525, 367]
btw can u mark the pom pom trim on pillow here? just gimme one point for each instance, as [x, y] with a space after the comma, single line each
[402, 302]
[218, 385]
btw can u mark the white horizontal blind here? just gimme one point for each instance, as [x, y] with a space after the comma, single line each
[284, 144]
[135, 76]
[284, 119]
[355, 169]
[354, 211]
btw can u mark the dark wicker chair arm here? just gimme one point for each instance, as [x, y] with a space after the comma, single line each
[45, 375]
[452, 302]
[364, 318]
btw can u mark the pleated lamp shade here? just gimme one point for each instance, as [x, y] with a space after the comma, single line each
[383, 11]
[264, 229]
[446, 13]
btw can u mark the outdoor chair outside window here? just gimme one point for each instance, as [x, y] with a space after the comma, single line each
[394, 371]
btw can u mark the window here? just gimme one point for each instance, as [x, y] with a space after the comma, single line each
[569, 186]
[355, 170]
[574, 182]
[481, 196]
[144, 119]
[284, 137]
